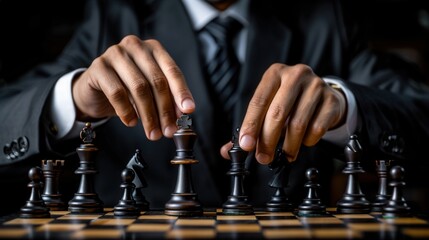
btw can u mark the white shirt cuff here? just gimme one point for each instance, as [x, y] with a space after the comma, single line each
[341, 134]
[63, 112]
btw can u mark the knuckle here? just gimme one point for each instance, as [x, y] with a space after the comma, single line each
[99, 63]
[174, 71]
[302, 69]
[141, 87]
[117, 94]
[331, 99]
[276, 67]
[167, 113]
[318, 130]
[298, 125]
[258, 102]
[159, 83]
[277, 113]
[152, 42]
[130, 41]
[114, 51]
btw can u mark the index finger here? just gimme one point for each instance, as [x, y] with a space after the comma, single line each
[176, 80]
[258, 107]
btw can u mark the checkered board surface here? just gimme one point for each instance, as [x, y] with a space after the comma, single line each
[214, 225]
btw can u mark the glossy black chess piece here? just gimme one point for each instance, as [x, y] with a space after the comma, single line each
[353, 200]
[396, 206]
[382, 196]
[184, 201]
[279, 201]
[127, 205]
[51, 194]
[35, 206]
[237, 202]
[311, 204]
[86, 200]
[138, 164]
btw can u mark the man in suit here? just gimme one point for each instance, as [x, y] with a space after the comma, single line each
[133, 67]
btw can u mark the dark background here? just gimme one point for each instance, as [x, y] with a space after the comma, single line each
[32, 32]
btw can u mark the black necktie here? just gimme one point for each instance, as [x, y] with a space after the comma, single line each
[223, 69]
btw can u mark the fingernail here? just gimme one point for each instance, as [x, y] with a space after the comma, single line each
[155, 134]
[263, 158]
[188, 104]
[247, 142]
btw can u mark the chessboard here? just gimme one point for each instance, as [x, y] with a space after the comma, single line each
[213, 224]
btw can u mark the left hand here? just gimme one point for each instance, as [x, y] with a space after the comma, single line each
[291, 102]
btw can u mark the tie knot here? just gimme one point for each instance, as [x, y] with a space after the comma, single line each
[223, 28]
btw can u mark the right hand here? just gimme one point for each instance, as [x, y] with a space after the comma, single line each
[134, 79]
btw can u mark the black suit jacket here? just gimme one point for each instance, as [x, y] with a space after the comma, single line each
[393, 106]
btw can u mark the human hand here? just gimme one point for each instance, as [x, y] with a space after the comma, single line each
[293, 103]
[134, 79]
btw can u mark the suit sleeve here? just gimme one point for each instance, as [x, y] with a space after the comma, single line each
[394, 107]
[23, 135]
[392, 97]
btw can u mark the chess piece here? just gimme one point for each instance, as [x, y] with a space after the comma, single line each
[137, 164]
[237, 203]
[382, 196]
[312, 205]
[35, 206]
[396, 206]
[279, 201]
[184, 201]
[353, 200]
[51, 194]
[86, 200]
[127, 204]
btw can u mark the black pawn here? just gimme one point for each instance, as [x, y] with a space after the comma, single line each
[353, 200]
[138, 164]
[279, 201]
[311, 205]
[184, 201]
[35, 206]
[237, 203]
[396, 206]
[382, 197]
[86, 200]
[51, 194]
[127, 205]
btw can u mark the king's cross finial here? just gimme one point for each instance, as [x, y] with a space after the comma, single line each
[87, 134]
[184, 122]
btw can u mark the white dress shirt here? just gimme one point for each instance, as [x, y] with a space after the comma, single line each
[63, 113]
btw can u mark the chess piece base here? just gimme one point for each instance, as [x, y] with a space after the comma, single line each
[279, 203]
[237, 205]
[54, 202]
[183, 204]
[34, 212]
[353, 205]
[85, 203]
[311, 207]
[393, 210]
[126, 210]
